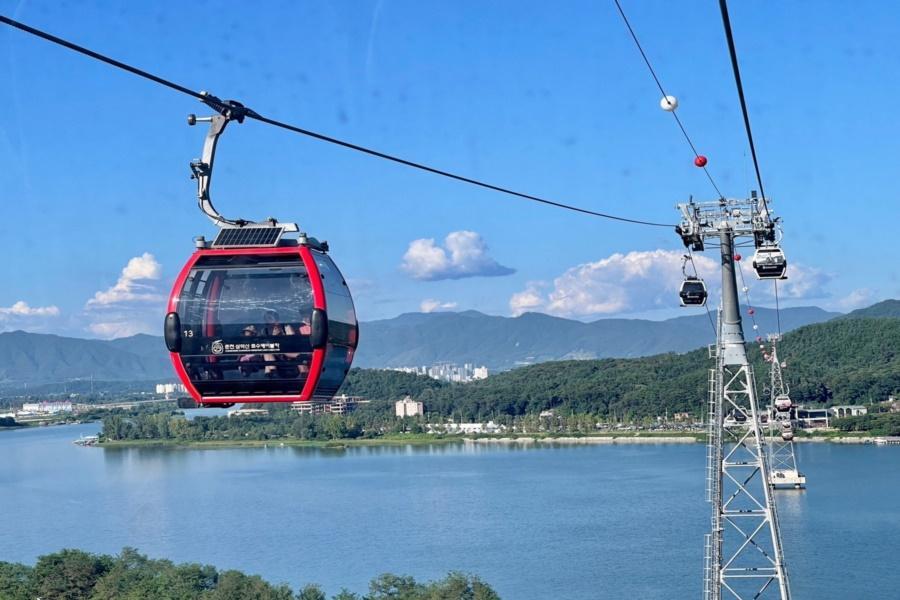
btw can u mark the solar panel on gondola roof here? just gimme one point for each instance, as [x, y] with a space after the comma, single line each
[242, 237]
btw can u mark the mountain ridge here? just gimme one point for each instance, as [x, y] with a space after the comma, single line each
[501, 343]
[410, 339]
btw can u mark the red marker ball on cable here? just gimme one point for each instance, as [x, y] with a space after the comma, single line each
[700, 161]
[737, 257]
[750, 311]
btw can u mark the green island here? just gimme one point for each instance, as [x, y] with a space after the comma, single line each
[78, 575]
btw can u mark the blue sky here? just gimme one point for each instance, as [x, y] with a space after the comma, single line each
[553, 100]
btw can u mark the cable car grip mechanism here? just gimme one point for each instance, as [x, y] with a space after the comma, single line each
[202, 168]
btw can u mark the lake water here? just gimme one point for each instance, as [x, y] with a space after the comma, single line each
[576, 522]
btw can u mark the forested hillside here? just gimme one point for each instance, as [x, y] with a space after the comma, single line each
[841, 361]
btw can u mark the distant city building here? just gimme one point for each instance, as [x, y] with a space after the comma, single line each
[682, 417]
[408, 408]
[248, 412]
[46, 408]
[170, 388]
[448, 372]
[339, 405]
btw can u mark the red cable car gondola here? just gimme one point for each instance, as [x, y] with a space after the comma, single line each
[255, 316]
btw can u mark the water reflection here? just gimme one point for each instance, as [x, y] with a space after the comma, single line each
[791, 504]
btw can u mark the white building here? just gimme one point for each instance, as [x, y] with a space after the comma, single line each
[46, 408]
[468, 428]
[339, 405]
[408, 408]
[480, 373]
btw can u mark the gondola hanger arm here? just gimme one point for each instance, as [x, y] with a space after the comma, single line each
[202, 169]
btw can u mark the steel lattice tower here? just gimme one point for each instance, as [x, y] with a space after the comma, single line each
[783, 472]
[743, 554]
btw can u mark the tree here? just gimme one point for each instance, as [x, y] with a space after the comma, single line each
[68, 575]
[16, 582]
[234, 585]
[311, 592]
[393, 587]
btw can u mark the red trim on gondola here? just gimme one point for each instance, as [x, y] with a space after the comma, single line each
[179, 282]
[315, 277]
[246, 251]
[173, 307]
[236, 399]
[318, 357]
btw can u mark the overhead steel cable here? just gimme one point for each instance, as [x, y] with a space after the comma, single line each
[732, 51]
[664, 94]
[705, 304]
[729, 36]
[777, 306]
[226, 106]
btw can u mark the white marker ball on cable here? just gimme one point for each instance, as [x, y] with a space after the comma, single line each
[745, 289]
[668, 103]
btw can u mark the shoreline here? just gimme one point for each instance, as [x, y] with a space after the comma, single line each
[523, 440]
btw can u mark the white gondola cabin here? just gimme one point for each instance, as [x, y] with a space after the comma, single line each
[769, 263]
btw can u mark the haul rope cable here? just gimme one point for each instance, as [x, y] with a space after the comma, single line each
[225, 106]
[729, 37]
[732, 51]
[705, 304]
[665, 96]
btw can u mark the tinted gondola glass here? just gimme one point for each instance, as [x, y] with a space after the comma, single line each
[343, 331]
[693, 292]
[261, 326]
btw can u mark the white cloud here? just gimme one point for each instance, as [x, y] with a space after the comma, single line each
[804, 282]
[464, 254]
[431, 305]
[128, 288]
[530, 299]
[118, 329]
[135, 304]
[857, 299]
[621, 283]
[22, 309]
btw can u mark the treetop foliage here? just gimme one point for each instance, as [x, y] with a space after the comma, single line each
[78, 575]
